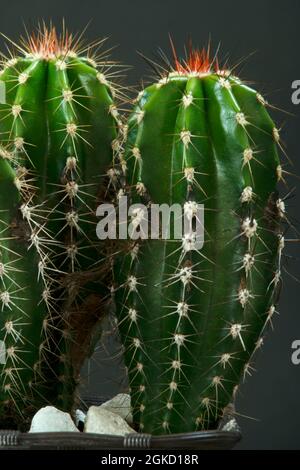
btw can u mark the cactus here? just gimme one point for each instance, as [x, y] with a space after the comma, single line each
[57, 137]
[191, 320]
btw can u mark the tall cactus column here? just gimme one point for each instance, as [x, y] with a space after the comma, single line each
[192, 319]
[58, 131]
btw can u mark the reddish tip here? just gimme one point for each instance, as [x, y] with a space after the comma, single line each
[47, 42]
[196, 61]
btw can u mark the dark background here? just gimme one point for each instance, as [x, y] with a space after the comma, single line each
[269, 402]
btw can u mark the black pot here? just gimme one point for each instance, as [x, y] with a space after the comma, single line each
[70, 440]
[218, 439]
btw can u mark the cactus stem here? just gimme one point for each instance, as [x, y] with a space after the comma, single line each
[186, 115]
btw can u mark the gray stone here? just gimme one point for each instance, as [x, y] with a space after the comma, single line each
[231, 426]
[120, 405]
[101, 421]
[50, 419]
[79, 417]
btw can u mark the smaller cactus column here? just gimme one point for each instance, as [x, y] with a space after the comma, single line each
[191, 320]
[58, 131]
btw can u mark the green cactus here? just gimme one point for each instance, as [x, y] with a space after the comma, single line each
[58, 131]
[191, 320]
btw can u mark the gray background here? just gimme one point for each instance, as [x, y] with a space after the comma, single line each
[269, 401]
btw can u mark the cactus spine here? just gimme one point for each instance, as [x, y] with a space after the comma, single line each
[57, 133]
[191, 320]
